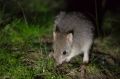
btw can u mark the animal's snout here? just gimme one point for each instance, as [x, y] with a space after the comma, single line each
[57, 60]
[54, 59]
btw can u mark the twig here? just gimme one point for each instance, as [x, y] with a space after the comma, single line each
[24, 16]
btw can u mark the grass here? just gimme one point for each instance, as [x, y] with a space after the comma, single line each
[18, 32]
[10, 67]
[17, 40]
[16, 66]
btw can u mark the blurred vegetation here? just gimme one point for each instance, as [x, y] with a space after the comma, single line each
[25, 32]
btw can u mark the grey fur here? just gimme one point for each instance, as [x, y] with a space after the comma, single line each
[82, 36]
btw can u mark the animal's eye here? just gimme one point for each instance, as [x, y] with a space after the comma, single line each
[64, 53]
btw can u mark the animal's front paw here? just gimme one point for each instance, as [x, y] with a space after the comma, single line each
[85, 61]
[68, 59]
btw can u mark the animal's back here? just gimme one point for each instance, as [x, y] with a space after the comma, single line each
[82, 28]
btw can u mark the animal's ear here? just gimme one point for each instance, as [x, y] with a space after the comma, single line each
[70, 37]
[57, 30]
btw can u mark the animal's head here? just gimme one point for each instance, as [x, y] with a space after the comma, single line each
[62, 45]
